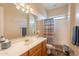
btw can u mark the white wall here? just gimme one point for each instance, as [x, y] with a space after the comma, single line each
[1, 22]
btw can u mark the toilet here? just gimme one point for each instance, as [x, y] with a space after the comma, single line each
[49, 48]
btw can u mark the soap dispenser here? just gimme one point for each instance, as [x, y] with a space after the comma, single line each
[2, 39]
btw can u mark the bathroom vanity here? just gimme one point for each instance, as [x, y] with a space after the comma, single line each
[34, 46]
[38, 50]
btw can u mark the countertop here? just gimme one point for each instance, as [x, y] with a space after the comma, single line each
[19, 45]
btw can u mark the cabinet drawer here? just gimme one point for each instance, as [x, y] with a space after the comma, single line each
[35, 49]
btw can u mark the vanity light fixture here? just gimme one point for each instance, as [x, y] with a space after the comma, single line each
[24, 7]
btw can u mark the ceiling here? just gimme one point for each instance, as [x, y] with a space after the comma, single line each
[52, 5]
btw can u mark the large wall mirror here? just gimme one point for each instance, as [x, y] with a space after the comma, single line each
[29, 25]
[16, 25]
[32, 24]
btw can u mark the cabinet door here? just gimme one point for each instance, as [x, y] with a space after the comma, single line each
[36, 50]
[37, 53]
[44, 50]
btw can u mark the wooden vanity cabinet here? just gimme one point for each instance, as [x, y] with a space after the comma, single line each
[44, 50]
[25, 54]
[38, 50]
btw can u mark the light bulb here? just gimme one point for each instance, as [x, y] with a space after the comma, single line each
[27, 11]
[18, 7]
[27, 7]
[23, 9]
[31, 9]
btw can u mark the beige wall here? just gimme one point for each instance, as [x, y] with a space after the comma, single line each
[77, 14]
[74, 21]
[1, 22]
[39, 9]
[58, 11]
[72, 14]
